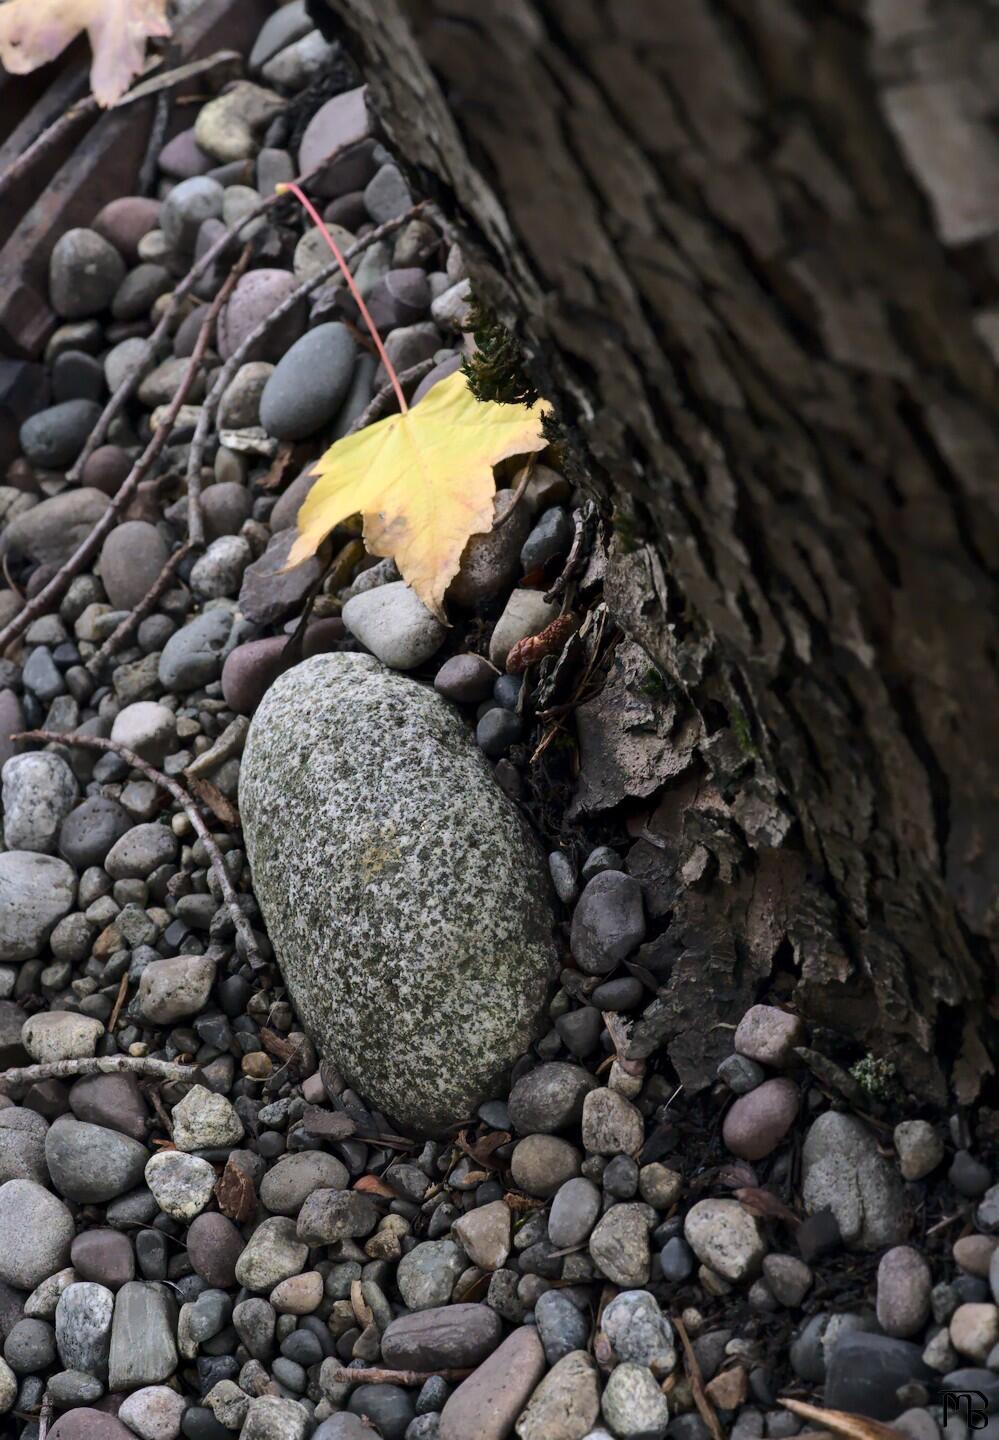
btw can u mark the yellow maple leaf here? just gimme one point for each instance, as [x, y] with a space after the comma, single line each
[422, 480]
[33, 32]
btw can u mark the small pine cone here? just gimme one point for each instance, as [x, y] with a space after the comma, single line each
[536, 647]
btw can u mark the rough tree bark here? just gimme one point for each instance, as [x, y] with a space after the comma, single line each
[754, 246]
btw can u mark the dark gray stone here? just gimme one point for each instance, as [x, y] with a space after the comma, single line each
[549, 1098]
[269, 593]
[89, 831]
[90, 1163]
[193, 657]
[864, 1373]
[307, 388]
[608, 922]
[562, 1325]
[53, 438]
[84, 273]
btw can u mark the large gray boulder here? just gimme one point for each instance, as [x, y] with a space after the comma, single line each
[405, 898]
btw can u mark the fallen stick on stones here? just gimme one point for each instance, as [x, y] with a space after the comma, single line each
[164, 328]
[51, 593]
[83, 109]
[98, 1065]
[134, 619]
[696, 1378]
[242, 926]
[378, 404]
[88, 547]
[377, 1376]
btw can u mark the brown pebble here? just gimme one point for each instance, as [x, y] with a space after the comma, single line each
[213, 1247]
[974, 1253]
[757, 1123]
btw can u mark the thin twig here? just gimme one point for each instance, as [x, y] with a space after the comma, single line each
[98, 1065]
[843, 1422]
[378, 1376]
[518, 495]
[87, 107]
[188, 805]
[236, 359]
[379, 404]
[118, 1002]
[160, 1108]
[51, 593]
[574, 560]
[157, 135]
[45, 1417]
[132, 621]
[165, 326]
[341, 260]
[49, 137]
[696, 1378]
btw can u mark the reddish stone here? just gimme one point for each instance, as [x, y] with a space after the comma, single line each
[106, 469]
[213, 1247]
[256, 296]
[125, 221]
[341, 121]
[758, 1122]
[103, 1255]
[89, 1424]
[251, 669]
[114, 1101]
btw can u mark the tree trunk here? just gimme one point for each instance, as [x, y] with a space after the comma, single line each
[753, 248]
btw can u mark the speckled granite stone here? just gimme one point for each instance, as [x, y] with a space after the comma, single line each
[405, 898]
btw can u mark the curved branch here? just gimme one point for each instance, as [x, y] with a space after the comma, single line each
[96, 742]
[88, 547]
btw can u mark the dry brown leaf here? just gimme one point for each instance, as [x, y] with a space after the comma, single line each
[279, 465]
[362, 1310]
[728, 1389]
[236, 1194]
[279, 1045]
[765, 1206]
[33, 32]
[211, 796]
[483, 1150]
[371, 1185]
[473, 1289]
[515, 1201]
[839, 1422]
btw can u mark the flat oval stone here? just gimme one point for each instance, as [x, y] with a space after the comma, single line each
[447, 1336]
[306, 389]
[758, 1122]
[363, 798]
[489, 1401]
